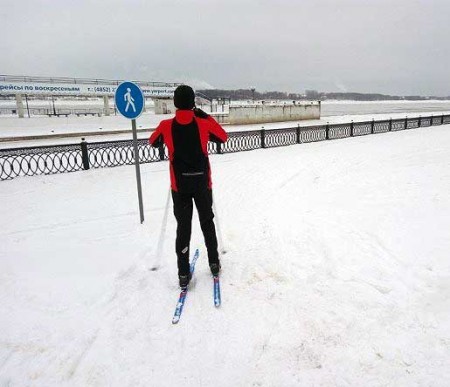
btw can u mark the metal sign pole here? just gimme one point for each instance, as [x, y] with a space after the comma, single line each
[130, 102]
[138, 170]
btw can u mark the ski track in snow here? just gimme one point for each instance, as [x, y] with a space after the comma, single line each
[336, 272]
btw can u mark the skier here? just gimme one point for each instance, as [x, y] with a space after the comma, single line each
[186, 137]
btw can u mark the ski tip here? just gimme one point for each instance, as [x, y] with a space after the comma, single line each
[175, 320]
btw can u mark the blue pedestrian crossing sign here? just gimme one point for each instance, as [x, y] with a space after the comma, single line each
[129, 100]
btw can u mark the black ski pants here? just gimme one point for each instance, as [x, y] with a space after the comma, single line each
[182, 208]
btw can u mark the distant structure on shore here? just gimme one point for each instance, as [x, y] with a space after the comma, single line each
[22, 87]
[252, 94]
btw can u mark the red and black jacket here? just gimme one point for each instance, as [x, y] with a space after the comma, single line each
[186, 137]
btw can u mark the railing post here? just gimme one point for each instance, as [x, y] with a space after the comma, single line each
[420, 121]
[84, 154]
[263, 137]
[390, 124]
[161, 152]
[327, 131]
[442, 120]
[372, 126]
[352, 133]
[298, 134]
[406, 122]
[219, 148]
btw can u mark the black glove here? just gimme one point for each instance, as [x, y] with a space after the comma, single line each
[200, 113]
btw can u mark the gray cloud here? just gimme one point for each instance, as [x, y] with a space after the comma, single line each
[397, 47]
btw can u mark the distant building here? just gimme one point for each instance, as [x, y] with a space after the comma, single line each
[312, 94]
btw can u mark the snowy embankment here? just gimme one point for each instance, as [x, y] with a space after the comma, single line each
[85, 127]
[27, 131]
[337, 272]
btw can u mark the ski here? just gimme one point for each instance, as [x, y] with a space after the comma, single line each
[179, 307]
[217, 299]
[183, 293]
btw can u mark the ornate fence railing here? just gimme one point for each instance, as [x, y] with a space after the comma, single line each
[82, 156]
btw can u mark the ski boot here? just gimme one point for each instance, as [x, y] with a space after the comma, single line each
[215, 269]
[184, 280]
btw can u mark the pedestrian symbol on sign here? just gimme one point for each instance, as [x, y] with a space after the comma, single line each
[129, 99]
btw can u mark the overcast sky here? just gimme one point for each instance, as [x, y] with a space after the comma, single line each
[399, 47]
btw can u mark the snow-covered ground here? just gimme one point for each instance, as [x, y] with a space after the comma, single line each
[337, 272]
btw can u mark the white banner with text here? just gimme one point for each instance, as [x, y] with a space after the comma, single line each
[7, 88]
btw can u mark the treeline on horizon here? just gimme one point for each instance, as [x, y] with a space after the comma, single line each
[250, 94]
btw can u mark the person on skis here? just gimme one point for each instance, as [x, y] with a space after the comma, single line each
[186, 137]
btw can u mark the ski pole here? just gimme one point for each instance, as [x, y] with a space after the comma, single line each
[162, 234]
[219, 230]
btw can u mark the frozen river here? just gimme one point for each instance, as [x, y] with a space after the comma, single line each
[334, 108]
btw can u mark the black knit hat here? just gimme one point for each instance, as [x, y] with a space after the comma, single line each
[184, 97]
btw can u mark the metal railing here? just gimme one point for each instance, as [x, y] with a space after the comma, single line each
[82, 156]
[48, 111]
[80, 81]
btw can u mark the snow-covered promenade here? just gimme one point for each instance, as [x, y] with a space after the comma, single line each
[337, 272]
